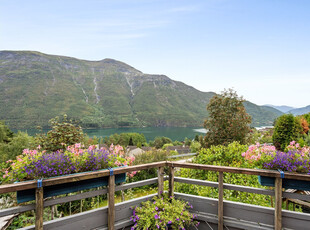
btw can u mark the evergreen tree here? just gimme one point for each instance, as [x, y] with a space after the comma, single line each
[287, 128]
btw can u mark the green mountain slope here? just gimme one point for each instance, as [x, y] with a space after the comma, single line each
[300, 111]
[36, 87]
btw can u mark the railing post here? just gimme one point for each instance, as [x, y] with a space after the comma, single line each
[171, 181]
[220, 202]
[111, 202]
[39, 209]
[160, 180]
[278, 204]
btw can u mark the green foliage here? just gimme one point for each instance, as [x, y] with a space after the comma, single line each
[125, 139]
[224, 156]
[5, 133]
[307, 117]
[175, 143]
[287, 128]
[306, 139]
[195, 146]
[227, 121]
[259, 136]
[12, 145]
[64, 133]
[15, 147]
[148, 157]
[167, 145]
[159, 142]
[159, 212]
[187, 141]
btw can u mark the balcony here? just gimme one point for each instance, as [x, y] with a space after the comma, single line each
[212, 213]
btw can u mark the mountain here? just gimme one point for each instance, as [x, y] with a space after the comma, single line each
[262, 114]
[36, 87]
[282, 108]
[289, 109]
[300, 111]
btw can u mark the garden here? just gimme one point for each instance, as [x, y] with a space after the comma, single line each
[64, 153]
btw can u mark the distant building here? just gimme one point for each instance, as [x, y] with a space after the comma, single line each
[179, 148]
[133, 150]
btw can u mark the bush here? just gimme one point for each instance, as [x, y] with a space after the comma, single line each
[15, 147]
[12, 145]
[224, 156]
[148, 157]
[195, 146]
[63, 134]
[159, 142]
[158, 213]
[125, 139]
[287, 128]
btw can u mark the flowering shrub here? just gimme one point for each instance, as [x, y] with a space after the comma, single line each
[291, 161]
[255, 152]
[294, 159]
[35, 164]
[160, 213]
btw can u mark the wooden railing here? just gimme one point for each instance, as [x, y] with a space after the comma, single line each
[112, 188]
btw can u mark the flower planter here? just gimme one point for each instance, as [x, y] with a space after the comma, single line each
[286, 183]
[59, 189]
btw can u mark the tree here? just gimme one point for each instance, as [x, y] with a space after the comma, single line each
[63, 133]
[159, 142]
[5, 133]
[287, 128]
[228, 120]
[125, 139]
[12, 145]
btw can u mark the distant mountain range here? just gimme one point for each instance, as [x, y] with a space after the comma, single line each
[292, 110]
[36, 87]
[282, 108]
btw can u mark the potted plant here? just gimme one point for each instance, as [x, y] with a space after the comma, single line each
[163, 213]
[294, 160]
[37, 164]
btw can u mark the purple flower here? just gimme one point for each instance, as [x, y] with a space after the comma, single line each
[156, 216]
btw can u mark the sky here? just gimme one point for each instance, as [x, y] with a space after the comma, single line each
[260, 48]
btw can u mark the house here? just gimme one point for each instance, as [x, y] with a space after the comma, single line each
[181, 149]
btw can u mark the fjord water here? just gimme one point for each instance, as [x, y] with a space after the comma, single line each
[174, 133]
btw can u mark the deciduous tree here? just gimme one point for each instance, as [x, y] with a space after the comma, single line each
[228, 120]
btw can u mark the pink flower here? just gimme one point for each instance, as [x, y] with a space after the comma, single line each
[25, 151]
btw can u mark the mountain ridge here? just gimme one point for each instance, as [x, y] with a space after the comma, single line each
[292, 110]
[282, 108]
[300, 111]
[107, 93]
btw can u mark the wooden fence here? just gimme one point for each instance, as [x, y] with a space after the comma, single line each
[112, 222]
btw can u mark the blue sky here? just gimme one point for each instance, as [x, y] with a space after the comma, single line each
[261, 48]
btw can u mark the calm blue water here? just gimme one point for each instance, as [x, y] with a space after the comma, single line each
[174, 133]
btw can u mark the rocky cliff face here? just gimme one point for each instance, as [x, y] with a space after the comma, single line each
[36, 87]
